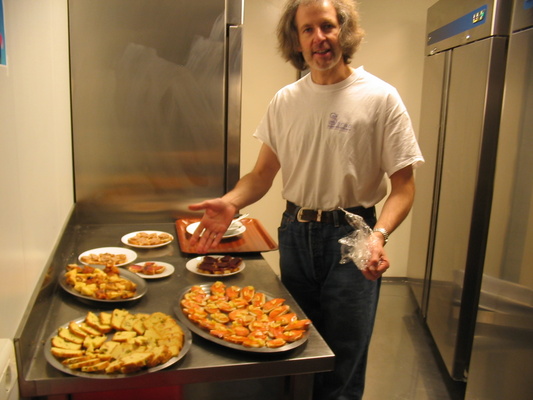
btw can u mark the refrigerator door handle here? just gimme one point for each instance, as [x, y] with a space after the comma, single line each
[233, 105]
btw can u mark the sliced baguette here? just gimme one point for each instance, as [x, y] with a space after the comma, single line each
[76, 330]
[66, 334]
[66, 353]
[58, 341]
[93, 343]
[94, 322]
[101, 366]
[123, 336]
[117, 317]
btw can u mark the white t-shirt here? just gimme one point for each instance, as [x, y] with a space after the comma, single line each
[335, 143]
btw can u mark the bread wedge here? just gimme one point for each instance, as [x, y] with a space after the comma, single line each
[66, 334]
[66, 353]
[58, 341]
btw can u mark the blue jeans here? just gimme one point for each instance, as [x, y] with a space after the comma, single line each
[339, 300]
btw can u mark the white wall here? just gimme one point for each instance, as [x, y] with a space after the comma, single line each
[35, 152]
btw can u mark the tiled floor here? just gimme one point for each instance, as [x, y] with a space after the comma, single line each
[403, 364]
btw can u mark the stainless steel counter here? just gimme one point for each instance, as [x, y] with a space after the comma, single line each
[206, 361]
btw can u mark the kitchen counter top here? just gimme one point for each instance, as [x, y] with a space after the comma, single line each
[51, 307]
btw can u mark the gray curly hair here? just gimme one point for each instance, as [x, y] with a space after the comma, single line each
[350, 35]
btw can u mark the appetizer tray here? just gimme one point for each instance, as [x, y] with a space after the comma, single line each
[54, 362]
[140, 292]
[178, 310]
[253, 239]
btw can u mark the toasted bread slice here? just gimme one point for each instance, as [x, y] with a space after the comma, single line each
[161, 354]
[93, 343]
[76, 330]
[66, 353]
[113, 367]
[58, 341]
[89, 329]
[117, 317]
[94, 322]
[66, 334]
[108, 347]
[128, 322]
[138, 325]
[84, 363]
[123, 336]
[105, 318]
[135, 361]
[76, 359]
[101, 366]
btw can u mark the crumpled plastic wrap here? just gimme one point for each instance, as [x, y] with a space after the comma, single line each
[357, 246]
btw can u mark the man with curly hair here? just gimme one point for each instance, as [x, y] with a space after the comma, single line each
[335, 135]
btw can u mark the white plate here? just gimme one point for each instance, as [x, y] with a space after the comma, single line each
[193, 264]
[125, 239]
[169, 270]
[130, 254]
[228, 234]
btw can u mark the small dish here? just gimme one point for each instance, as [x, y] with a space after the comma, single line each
[126, 239]
[192, 265]
[169, 270]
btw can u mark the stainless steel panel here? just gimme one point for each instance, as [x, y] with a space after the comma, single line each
[446, 13]
[522, 15]
[148, 105]
[474, 101]
[502, 356]
[432, 127]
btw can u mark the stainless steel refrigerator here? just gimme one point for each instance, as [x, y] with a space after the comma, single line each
[462, 96]
[156, 92]
[502, 356]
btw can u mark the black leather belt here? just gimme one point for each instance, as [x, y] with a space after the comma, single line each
[327, 217]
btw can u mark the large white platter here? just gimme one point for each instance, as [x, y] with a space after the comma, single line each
[125, 239]
[187, 341]
[192, 265]
[130, 254]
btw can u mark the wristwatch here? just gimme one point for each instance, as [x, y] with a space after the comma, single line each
[384, 232]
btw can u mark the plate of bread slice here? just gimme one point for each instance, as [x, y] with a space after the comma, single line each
[117, 344]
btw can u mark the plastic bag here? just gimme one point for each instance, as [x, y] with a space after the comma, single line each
[357, 246]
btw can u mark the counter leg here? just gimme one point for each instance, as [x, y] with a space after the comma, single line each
[300, 387]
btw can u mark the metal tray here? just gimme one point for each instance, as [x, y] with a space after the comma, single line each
[140, 292]
[206, 335]
[187, 341]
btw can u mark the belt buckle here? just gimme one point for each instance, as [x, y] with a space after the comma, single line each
[300, 218]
